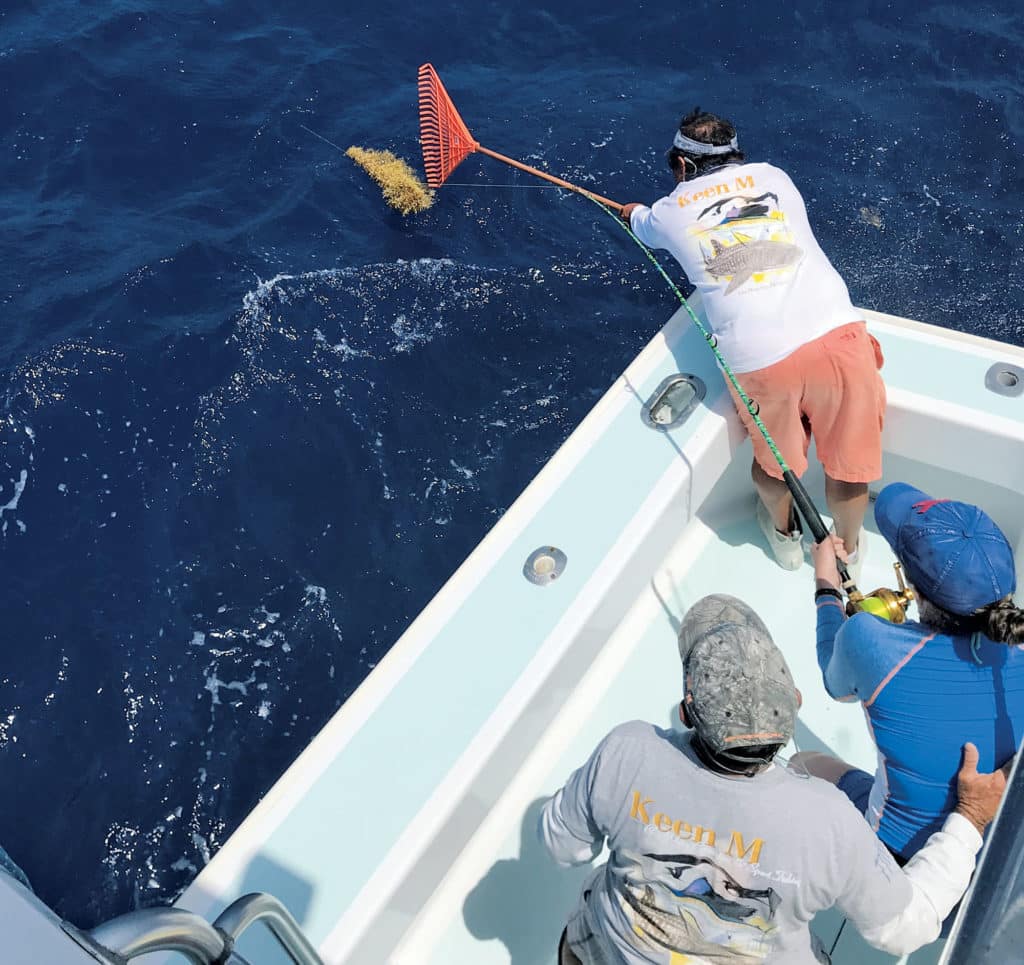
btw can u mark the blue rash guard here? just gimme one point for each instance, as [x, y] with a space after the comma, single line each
[925, 694]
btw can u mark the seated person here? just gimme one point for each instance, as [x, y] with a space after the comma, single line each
[718, 854]
[927, 686]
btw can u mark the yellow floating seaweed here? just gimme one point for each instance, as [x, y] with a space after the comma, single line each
[402, 189]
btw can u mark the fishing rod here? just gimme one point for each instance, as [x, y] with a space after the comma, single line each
[801, 498]
[446, 142]
[889, 604]
[884, 602]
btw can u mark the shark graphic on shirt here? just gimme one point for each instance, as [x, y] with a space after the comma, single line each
[742, 260]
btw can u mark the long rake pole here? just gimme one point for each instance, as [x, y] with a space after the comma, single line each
[548, 177]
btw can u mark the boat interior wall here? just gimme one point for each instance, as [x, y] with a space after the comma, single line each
[983, 459]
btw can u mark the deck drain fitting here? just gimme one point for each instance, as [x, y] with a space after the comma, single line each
[672, 401]
[1005, 378]
[544, 565]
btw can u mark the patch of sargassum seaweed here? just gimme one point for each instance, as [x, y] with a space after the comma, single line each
[402, 189]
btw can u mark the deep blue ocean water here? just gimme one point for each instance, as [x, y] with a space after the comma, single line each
[252, 419]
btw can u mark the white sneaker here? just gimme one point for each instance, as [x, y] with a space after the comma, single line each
[787, 550]
[855, 562]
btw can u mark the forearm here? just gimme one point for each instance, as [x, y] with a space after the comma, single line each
[641, 222]
[939, 874]
[831, 617]
[562, 837]
[626, 212]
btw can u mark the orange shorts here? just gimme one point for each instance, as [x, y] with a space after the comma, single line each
[829, 388]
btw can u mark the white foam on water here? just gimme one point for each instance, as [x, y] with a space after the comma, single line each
[215, 685]
[343, 317]
[202, 846]
[268, 616]
[461, 470]
[317, 593]
[6, 737]
[19, 488]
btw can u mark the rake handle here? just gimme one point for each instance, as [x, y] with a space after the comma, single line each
[548, 177]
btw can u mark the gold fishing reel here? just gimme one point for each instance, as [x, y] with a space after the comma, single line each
[888, 604]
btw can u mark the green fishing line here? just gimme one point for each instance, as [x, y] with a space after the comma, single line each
[708, 337]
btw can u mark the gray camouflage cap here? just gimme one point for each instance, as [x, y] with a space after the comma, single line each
[743, 693]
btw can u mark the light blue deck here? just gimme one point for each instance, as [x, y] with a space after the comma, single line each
[517, 910]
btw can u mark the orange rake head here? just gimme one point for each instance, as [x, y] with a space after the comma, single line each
[443, 134]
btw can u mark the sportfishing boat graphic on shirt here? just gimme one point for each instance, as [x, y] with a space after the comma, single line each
[744, 239]
[691, 906]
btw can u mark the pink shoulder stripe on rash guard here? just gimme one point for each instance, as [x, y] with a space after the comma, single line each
[895, 670]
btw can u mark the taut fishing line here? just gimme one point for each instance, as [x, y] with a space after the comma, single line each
[800, 497]
[885, 603]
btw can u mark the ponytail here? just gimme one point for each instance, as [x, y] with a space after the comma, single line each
[1002, 621]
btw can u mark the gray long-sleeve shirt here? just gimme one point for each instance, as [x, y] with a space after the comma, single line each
[727, 869]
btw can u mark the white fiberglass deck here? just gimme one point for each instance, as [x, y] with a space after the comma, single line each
[405, 831]
[505, 901]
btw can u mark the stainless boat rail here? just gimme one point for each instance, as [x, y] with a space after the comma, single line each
[240, 914]
[176, 930]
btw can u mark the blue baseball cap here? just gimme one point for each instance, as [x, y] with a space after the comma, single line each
[953, 552]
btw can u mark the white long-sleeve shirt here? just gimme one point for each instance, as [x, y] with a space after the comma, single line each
[733, 869]
[742, 236]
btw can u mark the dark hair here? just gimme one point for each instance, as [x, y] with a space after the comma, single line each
[747, 761]
[1001, 622]
[707, 128]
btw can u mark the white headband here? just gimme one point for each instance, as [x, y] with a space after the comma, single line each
[690, 146]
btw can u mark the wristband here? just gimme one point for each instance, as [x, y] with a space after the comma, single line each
[828, 591]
